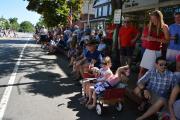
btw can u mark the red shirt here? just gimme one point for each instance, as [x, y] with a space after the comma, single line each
[126, 35]
[151, 45]
[109, 31]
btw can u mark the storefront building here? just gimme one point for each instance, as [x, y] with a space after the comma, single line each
[137, 9]
[103, 10]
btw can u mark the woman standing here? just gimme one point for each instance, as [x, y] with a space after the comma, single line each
[153, 36]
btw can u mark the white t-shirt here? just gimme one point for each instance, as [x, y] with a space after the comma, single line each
[43, 31]
[104, 74]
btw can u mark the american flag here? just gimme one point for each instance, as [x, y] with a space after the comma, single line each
[70, 18]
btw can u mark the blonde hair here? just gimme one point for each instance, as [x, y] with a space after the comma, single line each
[158, 14]
[107, 61]
[95, 70]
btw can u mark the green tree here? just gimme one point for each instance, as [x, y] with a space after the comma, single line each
[41, 22]
[4, 23]
[55, 12]
[14, 23]
[26, 26]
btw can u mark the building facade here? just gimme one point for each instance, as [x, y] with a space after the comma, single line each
[87, 13]
[137, 9]
[103, 10]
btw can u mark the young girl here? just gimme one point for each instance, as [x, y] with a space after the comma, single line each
[153, 36]
[101, 75]
[111, 81]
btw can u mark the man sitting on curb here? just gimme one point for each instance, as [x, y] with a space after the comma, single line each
[155, 87]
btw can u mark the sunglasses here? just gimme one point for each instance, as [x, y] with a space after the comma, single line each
[161, 64]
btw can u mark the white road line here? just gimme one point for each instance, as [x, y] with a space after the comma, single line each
[7, 92]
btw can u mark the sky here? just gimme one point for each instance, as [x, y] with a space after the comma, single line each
[17, 8]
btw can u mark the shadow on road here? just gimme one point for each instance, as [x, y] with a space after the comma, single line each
[9, 54]
[4, 42]
[50, 84]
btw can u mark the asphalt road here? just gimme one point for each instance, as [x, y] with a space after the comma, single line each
[43, 87]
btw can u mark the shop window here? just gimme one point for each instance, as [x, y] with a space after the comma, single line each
[168, 13]
[96, 13]
[99, 11]
[109, 9]
[105, 10]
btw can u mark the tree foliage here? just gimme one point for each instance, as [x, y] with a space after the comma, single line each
[4, 23]
[55, 12]
[26, 26]
[14, 23]
[40, 23]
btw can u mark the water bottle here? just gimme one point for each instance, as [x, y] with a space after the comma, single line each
[176, 38]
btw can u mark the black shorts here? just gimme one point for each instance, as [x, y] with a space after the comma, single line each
[108, 42]
[126, 51]
[43, 38]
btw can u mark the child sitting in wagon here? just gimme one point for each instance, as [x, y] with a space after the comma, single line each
[99, 88]
[99, 75]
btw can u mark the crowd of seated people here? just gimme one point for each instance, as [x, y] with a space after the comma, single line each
[157, 85]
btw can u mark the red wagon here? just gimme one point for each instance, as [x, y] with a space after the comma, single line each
[114, 96]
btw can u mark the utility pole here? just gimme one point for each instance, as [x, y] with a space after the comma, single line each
[117, 4]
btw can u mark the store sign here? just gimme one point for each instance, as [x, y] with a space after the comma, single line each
[164, 0]
[117, 16]
[138, 3]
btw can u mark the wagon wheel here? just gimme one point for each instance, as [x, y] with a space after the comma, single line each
[119, 107]
[99, 109]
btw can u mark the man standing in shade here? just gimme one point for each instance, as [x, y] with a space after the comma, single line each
[127, 38]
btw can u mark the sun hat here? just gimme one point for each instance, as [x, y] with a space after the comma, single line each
[91, 42]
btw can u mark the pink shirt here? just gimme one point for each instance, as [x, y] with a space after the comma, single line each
[113, 80]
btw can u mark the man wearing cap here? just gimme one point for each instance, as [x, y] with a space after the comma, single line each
[91, 58]
[174, 45]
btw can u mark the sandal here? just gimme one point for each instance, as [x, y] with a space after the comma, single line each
[141, 107]
[90, 107]
[83, 102]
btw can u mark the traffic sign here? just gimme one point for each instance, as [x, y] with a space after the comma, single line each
[117, 16]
